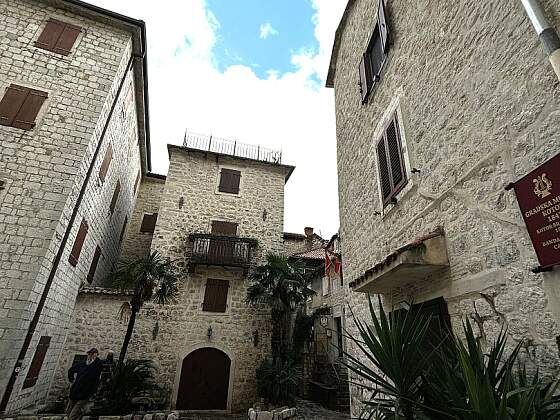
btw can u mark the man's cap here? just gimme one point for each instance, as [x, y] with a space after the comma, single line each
[92, 350]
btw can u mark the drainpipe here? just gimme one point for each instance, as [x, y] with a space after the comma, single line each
[545, 31]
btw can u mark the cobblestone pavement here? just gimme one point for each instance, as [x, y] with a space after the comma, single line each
[307, 410]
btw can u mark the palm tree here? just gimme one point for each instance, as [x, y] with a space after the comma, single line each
[283, 286]
[149, 278]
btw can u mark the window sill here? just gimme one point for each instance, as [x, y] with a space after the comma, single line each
[220, 314]
[238, 195]
[400, 196]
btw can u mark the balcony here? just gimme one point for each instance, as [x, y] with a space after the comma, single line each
[231, 251]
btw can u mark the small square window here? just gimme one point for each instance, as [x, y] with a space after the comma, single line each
[149, 223]
[58, 37]
[20, 106]
[215, 295]
[229, 181]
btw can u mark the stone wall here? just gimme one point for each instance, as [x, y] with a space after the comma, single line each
[44, 169]
[478, 105]
[137, 244]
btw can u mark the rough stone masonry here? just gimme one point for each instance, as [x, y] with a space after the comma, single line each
[478, 107]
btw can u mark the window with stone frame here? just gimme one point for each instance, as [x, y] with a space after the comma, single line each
[229, 181]
[375, 55]
[215, 295]
[20, 106]
[390, 162]
[78, 243]
[58, 37]
[148, 223]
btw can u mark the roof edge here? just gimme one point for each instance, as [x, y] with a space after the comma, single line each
[289, 168]
[336, 45]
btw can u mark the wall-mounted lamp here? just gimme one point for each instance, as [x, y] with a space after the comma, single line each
[181, 202]
[377, 213]
[265, 213]
[155, 331]
[209, 332]
[255, 338]
[415, 171]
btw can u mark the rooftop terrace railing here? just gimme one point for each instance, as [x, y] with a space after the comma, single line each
[209, 143]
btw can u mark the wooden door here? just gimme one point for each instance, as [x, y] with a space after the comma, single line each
[204, 380]
[222, 250]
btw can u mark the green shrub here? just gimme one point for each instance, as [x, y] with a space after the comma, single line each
[277, 381]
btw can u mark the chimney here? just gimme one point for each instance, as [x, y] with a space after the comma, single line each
[308, 231]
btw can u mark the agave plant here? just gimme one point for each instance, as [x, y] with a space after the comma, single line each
[454, 380]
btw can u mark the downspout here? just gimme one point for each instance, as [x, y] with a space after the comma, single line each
[545, 31]
[38, 311]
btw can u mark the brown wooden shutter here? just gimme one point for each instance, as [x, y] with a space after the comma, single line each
[215, 295]
[383, 27]
[78, 243]
[25, 118]
[363, 78]
[37, 362]
[383, 169]
[229, 181]
[395, 155]
[11, 102]
[149, 223]
[67, 39]
[115, 197]
[123, 228]
[58, 37]
[106, 163]
[224, 228]
[50, 35]
[93, 266]
[136, 182]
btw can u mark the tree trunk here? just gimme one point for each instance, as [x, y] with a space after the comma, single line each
[128, 335]
[276, 336]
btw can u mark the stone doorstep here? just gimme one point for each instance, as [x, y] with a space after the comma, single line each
[277, 414]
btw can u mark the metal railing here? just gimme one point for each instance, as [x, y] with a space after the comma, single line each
[221, 250]
[209, 143]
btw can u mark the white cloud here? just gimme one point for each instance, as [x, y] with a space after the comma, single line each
[266, 30]
[285, 110]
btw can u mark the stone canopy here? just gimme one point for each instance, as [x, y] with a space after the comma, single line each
[413, 262]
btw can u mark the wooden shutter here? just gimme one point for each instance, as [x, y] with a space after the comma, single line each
[93, 266]
[11, 103]
[50, 35]
[115, 197]
[67, 39]
[20, 105]
[383, 169]
[215, 295]
[224, 228]
[391, 163]
[363, 78]
[58, 37]
[106, 163]
[148, 223]
[25, 118]
[383, 27]
[78, 243]
[395, 155]
[123, 228]
[37, 362]
[136, 182]
[229, 181]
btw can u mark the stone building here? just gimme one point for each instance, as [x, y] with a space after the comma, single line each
[73, 141]
[438, 107]
[217, 215]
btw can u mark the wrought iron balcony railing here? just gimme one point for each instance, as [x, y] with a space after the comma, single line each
[230, 251]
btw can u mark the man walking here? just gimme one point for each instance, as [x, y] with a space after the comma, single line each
[85, 379]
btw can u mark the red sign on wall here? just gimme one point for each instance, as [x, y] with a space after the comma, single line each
[538, 195]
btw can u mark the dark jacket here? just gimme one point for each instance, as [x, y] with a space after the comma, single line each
[86, 379]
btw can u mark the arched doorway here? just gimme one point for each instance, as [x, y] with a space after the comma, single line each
[204, 380]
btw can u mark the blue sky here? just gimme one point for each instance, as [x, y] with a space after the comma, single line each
[287, 28]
